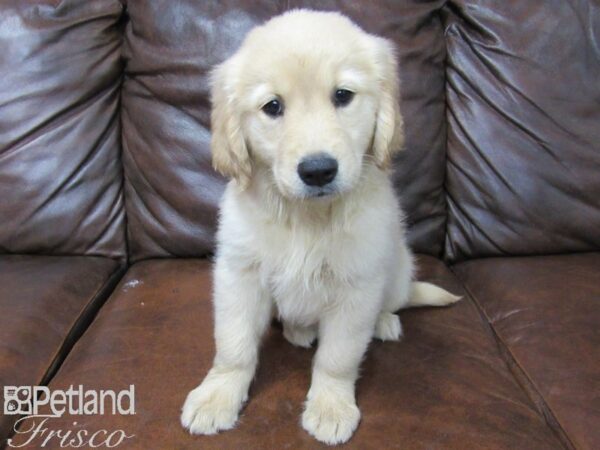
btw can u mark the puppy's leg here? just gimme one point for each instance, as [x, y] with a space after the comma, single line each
[400, 275]
[396, 294]
[299, 335]
[331, 414]
[242, 313]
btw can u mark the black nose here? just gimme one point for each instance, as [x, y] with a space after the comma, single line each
[317, 170]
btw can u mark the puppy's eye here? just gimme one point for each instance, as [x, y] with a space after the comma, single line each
[342, 97]
[273, 109]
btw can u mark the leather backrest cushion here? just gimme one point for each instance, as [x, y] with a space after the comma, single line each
[172, 193]
[523, 127]
[60, 172]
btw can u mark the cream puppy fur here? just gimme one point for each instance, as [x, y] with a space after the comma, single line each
[305, 121]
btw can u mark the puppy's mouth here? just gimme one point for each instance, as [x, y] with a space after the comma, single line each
[322, 193]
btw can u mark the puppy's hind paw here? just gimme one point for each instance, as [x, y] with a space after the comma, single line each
[299, 336]
[388, 327]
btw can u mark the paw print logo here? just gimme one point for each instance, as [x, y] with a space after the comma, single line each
[11, 407]
[17, 400]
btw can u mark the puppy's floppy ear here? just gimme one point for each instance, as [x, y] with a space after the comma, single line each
[389, 134]
[230, 155]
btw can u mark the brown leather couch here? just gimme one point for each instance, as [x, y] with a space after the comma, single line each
[108, 207]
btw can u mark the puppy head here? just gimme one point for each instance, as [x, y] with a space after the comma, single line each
[312, 99]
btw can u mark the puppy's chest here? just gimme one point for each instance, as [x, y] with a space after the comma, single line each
[305, 274]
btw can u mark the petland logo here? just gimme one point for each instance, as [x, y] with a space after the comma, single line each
[34, 426]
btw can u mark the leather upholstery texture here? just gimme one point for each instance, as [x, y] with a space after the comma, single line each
[442, 386]
[60, 169]
[46, 302]
[523, 133]
[545, 312]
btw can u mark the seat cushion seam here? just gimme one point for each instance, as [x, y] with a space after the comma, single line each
[97, 299]
[519, 373]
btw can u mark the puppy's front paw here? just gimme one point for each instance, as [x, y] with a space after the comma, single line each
[330, 418]
[211, 407]
[299, 336]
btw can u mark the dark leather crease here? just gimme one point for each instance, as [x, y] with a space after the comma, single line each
[57, 118]
[474, 225]
[76, 171]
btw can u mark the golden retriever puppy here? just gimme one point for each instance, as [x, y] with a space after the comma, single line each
[305, 121]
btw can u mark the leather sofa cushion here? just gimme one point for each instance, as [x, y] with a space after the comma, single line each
[45, 304]
[442, 386]
[170, 46]
[523, 133]
[545, 311]
[60, 170]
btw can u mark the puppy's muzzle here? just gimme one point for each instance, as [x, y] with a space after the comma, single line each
[318, 170]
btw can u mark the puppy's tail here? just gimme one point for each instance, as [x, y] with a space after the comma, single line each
[427, 294]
